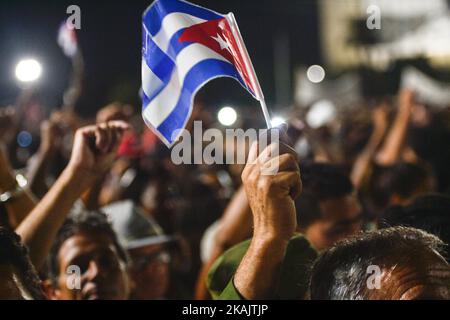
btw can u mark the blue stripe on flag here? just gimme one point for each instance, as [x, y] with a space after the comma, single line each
[159, 62]
[198, 76]
[154, 16]
[145, 100]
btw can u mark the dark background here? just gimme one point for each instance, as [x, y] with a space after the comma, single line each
[110, 38]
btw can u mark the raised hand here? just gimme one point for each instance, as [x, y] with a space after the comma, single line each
[271, 197]
[95, 148]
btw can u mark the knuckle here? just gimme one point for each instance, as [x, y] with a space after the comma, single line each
[265, 185]
[291, 158]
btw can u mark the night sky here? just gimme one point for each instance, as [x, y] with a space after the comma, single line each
[110, 38]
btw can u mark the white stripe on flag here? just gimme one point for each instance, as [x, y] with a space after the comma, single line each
[161, 107]
[172, 23]
[150, 81]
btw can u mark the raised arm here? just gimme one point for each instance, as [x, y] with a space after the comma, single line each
[93, 153]
[20, 202]
[365, 158]
[271, 198]
[395, 140]
[43, 159]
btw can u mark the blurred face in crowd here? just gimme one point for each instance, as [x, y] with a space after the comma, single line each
[111, 112]
[150, 198]
[12, 287]
[150, 272]
[103, 273]
[427, 278]
[427, 186]
[340, 218]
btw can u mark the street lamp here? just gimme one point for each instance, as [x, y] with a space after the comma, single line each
[28, 70]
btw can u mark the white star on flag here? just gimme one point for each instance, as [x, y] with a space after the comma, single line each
[223, 44]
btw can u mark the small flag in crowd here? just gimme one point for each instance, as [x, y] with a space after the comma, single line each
[184, 47]
[67, 39]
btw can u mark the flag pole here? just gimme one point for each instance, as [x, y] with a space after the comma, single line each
[249, 66]
[266, 113]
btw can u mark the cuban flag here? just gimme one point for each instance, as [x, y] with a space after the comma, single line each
[184, 47]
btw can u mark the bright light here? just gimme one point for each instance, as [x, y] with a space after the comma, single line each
[28, 70]
[315, 73]
[227, 116]
[277, 121]
[321, 113]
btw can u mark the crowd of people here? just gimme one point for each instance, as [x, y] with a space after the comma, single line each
[358, 209]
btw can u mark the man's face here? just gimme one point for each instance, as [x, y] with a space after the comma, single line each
[424, 278]
[150, 266]
[341, 217]
[103, 273]
[11, 287]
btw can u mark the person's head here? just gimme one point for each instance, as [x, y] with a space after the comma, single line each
[86, 246]
[18, 278]
[113, 111]
[328, 209]
[147, 247]
[151, 197]
[390, 264]
[430, 213]
[400, 184]
[150, 270]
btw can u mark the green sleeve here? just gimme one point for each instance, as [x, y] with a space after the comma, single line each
[293, 277]
[222, 271]
[230, 293]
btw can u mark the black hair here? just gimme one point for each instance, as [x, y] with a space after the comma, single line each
[429, 143]
[3, 216]
[15, 254]
[430, 213]
[93, 222]
[400, 178]
[321, 181]
[341, 272]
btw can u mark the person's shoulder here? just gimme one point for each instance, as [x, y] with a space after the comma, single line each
[299, 256]
[295, 270]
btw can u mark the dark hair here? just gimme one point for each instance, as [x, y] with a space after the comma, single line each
[15, 254]
[340, 273]
[401, 178]
[430, 213]
[93, 222]
[4, 222]
[321, 181]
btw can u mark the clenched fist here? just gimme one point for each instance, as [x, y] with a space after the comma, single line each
[95, 148]
[271, 196]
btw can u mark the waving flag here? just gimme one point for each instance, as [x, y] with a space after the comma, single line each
[184, 47]
[67, 40]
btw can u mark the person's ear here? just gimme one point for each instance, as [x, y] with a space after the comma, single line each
[51, 292]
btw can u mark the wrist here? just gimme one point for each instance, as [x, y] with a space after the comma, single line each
[269, 244]
[75, 180]
[268, 234]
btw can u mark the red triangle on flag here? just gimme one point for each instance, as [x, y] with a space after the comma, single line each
[217, 35]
